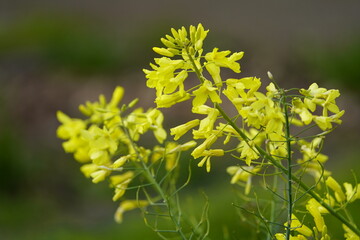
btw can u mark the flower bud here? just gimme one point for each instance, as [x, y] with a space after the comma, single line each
[163, 51]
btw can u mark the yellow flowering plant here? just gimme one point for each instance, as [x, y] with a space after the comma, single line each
[106, 143]
[264, 131]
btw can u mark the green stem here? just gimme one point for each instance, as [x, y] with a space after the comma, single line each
[289, 168]
[149, 176]
[197, 71]
[151, 179]
[273, 207]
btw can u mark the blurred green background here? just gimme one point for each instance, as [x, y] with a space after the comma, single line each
[57, 54]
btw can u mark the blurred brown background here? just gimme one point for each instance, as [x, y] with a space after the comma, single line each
[57, 54]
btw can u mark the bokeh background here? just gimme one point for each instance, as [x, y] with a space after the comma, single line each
[57, 54]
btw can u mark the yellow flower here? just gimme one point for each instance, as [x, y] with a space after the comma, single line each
[88, 169]
[312, 159]
[103, 112]
[228, 130]
[326, 98]
[221, 60]
[329, 103]
[137, 123]
[198, 35]
[102, 143]
[171, 155]
[155, 119]
[352, 193]
[128, 205]
[176, 82]
[162, 74]
[81, 153]
[207, 154]
[167, 75]
[166, 101]
[71, 127]
[248, 151]
[120, 161]
[199, 150]
[186, 146]
[180, 35]
[271, 90]
[296, 225]
[180, 38]
[205, 91]
[242, 174]
[70, 130]
[281, 236]
[214, 71]
[157, 153]
[315, 209]
[120, 183]
[251, 105]
[252, 84]
[300, 108]
[324, 122]
[163, 51]
[202, 109]
[120, 178]
[275, 121]
[349, 234]
[335, 186]
[99, 175]
[116, 98]
[207, 124]
[183, 128]
[75, 144]
[313, 91]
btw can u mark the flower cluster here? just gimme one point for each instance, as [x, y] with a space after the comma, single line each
[318, 97]
[168, 75]
[262, 114]
[106, 143]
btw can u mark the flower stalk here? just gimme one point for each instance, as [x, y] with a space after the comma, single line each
[289, 168]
